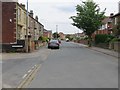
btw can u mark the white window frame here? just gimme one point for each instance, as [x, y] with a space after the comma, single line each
[115, 20]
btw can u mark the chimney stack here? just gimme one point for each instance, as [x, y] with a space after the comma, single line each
[36, 18]
[111, 14]
[22, 5]
[31, 13]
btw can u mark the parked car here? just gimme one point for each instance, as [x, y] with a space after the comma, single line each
[53, 44]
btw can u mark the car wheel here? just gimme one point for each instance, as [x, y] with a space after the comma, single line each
[48, 47]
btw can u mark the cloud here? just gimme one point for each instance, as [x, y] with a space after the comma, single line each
[57, 12]
[66, 7]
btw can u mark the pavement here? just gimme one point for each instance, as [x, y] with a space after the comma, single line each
[105, 51]
[7, 56]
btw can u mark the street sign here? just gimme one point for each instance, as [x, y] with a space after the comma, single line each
[17, 46]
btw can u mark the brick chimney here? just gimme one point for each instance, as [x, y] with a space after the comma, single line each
[111, 14]
[36, 18]
[22, 5]
[31, 13]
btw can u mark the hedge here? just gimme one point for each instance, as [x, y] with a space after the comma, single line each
[103, 38]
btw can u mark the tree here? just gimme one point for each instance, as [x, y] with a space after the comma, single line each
[56, 35]
[88, 18]
[69, 37]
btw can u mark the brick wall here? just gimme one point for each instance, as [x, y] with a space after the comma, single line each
[8, 22]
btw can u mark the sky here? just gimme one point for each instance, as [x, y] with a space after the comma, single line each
[52, 13]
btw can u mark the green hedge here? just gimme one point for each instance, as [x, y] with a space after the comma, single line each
[103, 38]
[43, 39]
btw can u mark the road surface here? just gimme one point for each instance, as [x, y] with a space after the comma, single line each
[71, 66]
[74, 66]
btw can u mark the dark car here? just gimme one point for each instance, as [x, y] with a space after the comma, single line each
[53, 44]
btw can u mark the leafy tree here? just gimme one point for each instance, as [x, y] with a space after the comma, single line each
[69, 37]
[43, 39]
[88, 18]
[56, 35]
[40, 38]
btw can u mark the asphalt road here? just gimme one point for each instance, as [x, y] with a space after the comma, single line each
[15, 66]
[74, 66]
[71, 66]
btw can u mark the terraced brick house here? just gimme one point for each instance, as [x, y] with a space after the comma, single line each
[9, 23]
[116, 22]
[14, 26]
[106, 27]
[62, 35]
[47, 33]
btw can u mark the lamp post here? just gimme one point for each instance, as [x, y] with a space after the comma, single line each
[56, 31]
[27, 29]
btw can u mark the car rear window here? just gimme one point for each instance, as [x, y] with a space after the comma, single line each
[54, 41]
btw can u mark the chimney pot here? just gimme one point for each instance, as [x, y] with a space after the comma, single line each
[22, 5]
[36, 18]
[31, 13]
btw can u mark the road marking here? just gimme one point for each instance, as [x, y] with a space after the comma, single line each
[29, 71]
[27, 80]
[35, 65]
[32, 67]
[24, 76]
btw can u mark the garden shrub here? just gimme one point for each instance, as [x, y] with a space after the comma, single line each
[103, 38]
[115, 40]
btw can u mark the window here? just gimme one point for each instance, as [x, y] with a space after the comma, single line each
[19, 14]
[24, 18]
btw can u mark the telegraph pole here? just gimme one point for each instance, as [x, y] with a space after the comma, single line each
[27, 29]
[56, 30]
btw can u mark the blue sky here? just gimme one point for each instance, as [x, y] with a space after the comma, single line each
[52, 13]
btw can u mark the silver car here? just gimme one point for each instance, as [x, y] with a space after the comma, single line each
[53, 44]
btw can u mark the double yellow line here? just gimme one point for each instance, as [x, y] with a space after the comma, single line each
[28, 78]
